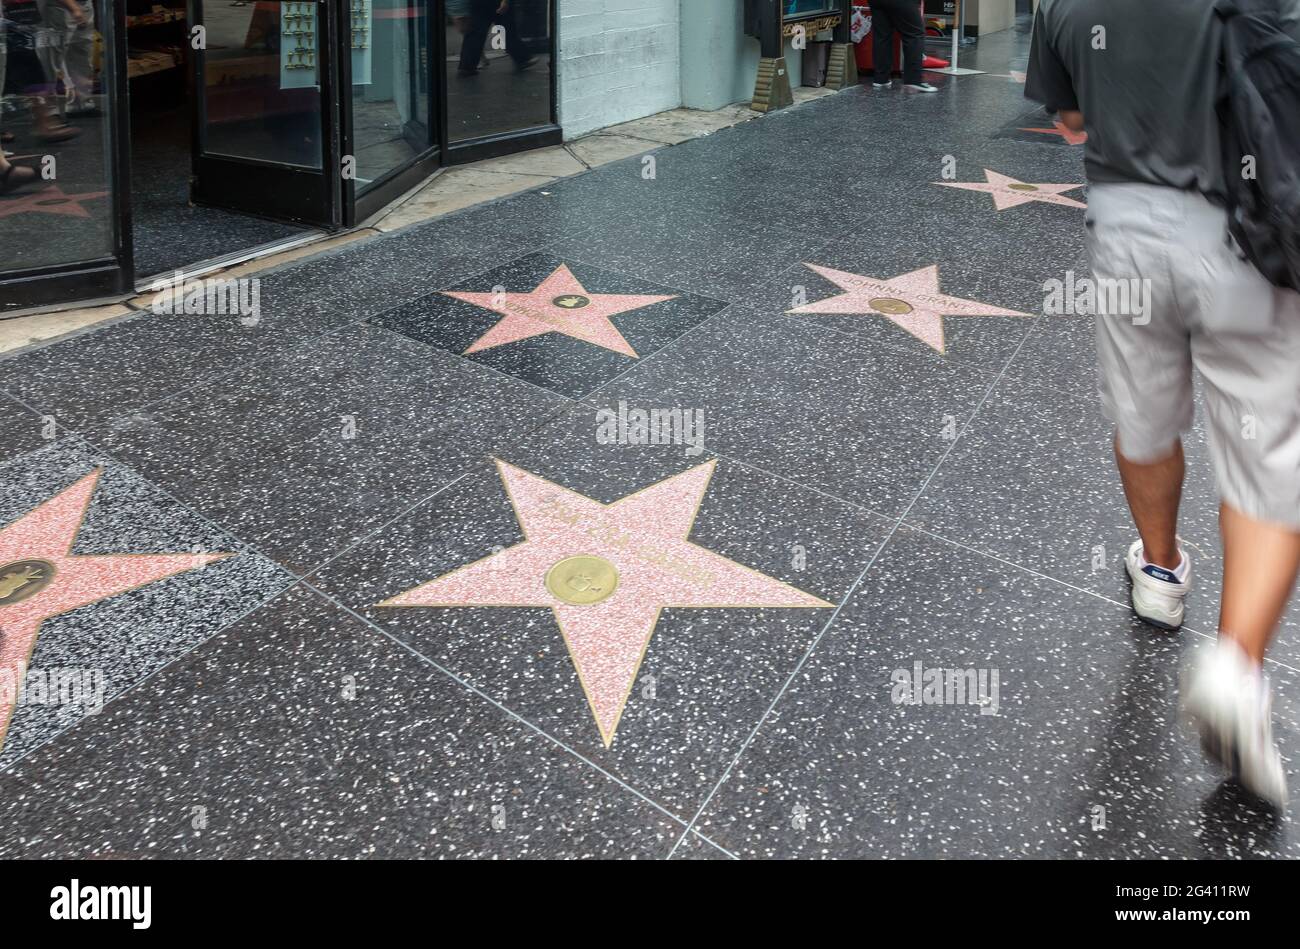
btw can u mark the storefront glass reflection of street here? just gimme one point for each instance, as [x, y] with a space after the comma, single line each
[497, 66]
[55, 191]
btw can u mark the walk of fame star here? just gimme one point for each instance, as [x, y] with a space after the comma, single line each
[606, 571]
[51, 200]
[1010, 192]
[911, 301]
[1058, 128]
[40, 578]
[560, 304]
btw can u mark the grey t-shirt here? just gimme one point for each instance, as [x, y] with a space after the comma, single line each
[1144, 75]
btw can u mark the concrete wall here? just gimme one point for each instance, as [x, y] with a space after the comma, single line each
[624, 59]
[618, 60]
[719, 62]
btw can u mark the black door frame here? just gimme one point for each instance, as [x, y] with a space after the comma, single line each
[278, 190]
[396, 182]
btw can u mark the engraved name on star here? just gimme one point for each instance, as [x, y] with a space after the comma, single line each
[1011, 192]
[911, 302]
[560, 304]
[606, 571]
[40, 578]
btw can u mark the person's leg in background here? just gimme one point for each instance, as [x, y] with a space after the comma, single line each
[508, 17]
[882, 43]
[51, 47]
[78, 60]
[481, 14]
[908, 22]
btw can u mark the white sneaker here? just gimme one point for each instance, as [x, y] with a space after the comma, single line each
[1158, 593]
[881, 85]
[1228, 700]
[919, 87]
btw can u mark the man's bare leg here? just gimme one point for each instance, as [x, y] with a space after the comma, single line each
[1225, 690]
[1260, 564]
[1154, 492]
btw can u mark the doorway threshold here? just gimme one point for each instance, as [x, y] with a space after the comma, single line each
[233, 259]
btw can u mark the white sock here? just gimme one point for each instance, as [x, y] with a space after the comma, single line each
[1180, 571]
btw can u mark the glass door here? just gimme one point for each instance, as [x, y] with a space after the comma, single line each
[390, 139]
[265, 135]
[64, 198]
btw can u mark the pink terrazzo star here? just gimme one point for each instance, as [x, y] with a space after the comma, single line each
[911, 301]
[643, 562]
[51, 200]
[559, 305]
[1058, 128]
[41, 578]
[1011, 192]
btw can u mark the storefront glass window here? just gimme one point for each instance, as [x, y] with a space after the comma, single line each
[55, 178]
[261, 91]
[391, 66]
[498, 66]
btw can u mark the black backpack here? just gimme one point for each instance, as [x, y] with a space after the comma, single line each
[1259, 117]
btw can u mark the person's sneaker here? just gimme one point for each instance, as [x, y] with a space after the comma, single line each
[919, 87]
[1158, 593]
[1227, 699]
[881, 85]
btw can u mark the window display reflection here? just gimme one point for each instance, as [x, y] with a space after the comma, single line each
[498, 61]
[261, 85]
[390, 85]
[55, 190]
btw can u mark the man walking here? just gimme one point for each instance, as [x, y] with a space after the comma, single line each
[905, 17]
[1140, 78]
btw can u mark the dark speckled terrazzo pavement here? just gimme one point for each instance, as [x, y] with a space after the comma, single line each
[586, 524]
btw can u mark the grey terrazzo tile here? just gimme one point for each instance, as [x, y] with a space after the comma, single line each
[302, 733]
[1033, 482]
[96, 377]
[717, 254]
[305, 454]
[21, 429]
[117, 640]
[1085, 719]
[860, 422]
[1061, 354]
